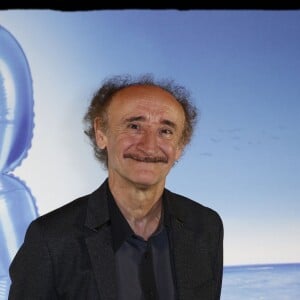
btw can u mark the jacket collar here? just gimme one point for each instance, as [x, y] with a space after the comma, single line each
[189, 252]
[99, 244]
[97, 211]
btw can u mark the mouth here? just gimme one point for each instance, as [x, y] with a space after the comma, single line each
[147, 159]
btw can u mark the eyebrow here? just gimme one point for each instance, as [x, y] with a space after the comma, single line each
[135, 118]
[142, 118]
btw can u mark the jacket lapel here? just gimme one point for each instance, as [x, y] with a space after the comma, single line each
[191, 257]
[191, 254]
[99, 244]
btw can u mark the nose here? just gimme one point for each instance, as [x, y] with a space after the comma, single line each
[148, 142]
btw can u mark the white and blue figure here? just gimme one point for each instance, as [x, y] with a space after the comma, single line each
[17, 206]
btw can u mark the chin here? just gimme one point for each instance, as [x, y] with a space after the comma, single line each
[145, 175]
[145, 179]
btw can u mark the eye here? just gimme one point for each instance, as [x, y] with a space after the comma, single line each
[133, 126]
[166, 132]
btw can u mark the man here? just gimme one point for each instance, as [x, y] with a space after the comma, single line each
[131, 239]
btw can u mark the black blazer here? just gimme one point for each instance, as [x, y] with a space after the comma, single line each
[68, 254]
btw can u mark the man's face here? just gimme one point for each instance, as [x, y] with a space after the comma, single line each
[143, 136]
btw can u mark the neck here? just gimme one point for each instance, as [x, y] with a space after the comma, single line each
[141, 207]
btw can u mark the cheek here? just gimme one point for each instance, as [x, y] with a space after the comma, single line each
[169, 149]
[121, 143]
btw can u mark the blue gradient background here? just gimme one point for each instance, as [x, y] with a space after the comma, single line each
[243, 69]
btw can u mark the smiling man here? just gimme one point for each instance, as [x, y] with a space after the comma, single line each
[131, 239]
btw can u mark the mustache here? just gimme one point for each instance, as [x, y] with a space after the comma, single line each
[147, 159]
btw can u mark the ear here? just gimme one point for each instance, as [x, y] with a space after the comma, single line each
[100, 135]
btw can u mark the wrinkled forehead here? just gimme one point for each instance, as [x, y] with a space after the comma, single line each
[146, 97]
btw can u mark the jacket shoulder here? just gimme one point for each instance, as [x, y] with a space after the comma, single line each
[193, 212]
[64, 218]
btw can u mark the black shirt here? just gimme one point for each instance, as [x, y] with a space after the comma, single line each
[143, 268]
